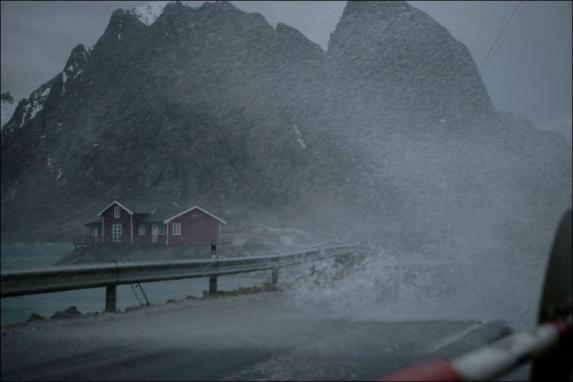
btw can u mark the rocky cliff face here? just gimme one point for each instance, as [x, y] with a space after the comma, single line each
[396, 56]
[7, 104]
[390, 128]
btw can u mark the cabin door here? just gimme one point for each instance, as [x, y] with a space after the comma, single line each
[154, 233]
[95, 233]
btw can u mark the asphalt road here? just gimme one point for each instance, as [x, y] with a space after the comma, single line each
[256, 337]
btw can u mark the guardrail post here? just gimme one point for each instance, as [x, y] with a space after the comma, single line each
[212, 284]
[275, 276]
[111, 298]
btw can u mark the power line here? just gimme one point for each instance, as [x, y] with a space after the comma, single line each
[489, 53]
[495, 44]
[511, 25]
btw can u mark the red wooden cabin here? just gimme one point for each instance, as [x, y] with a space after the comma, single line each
[144, 224]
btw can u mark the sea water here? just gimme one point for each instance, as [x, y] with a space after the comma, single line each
[20, 256]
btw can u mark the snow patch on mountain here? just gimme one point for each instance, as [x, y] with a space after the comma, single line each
[28, 108]
[299, 137]
[36, 104]
[75, 64]
[149, 12]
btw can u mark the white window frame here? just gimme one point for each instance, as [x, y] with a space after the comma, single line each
[154, 227]
[176, 229]
[117, 233]
[116, 212]
[141, 229]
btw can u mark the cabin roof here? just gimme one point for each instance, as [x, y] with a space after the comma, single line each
[160, 214]
[119, 204]
[138, 206]
[154, 212]
[168, 219]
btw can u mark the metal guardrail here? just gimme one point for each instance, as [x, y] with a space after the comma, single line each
[64, 278]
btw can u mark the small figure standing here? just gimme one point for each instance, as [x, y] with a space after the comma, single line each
[213, 248]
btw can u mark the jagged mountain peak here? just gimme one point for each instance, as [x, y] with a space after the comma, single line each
[78, 53]
[210, 21]
[410, 56]
[221, 9]
[375, 8]
[149, 12]
[76, 62]
[219, 4]
[359, 16]
[122, 21]
[118, 14]
[123, 28]
[380, 21]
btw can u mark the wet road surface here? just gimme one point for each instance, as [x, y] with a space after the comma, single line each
[256, 337]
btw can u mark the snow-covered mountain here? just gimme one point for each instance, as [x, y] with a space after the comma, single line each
[390, 134]
[149, 12]
[30, 108]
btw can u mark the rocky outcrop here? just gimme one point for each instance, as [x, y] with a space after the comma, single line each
[397, 57]
[7, 107]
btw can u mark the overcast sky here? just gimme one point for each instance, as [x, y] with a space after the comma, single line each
[529, 74]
